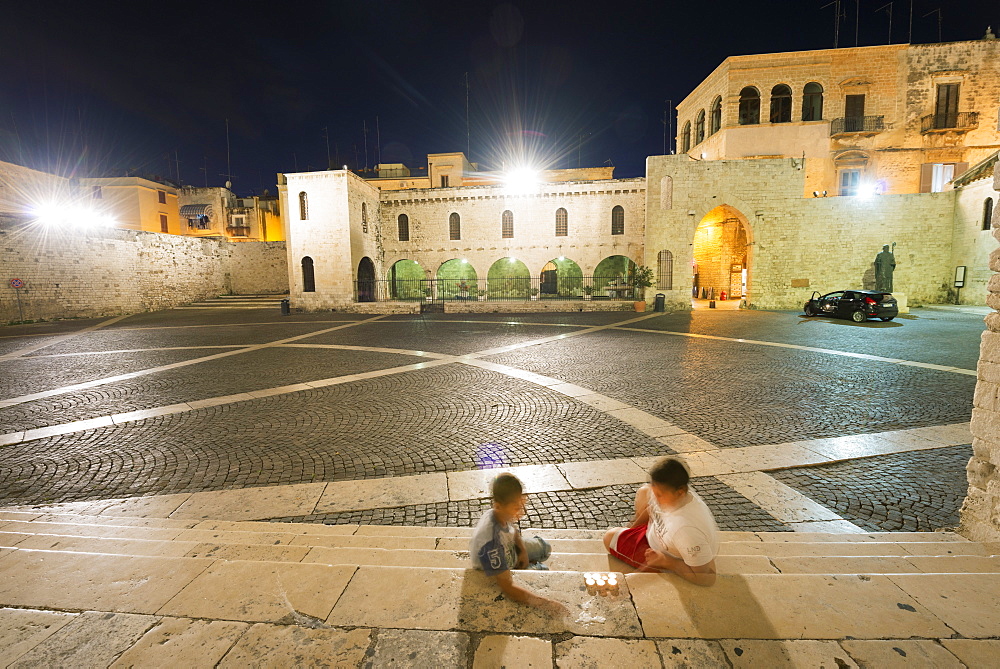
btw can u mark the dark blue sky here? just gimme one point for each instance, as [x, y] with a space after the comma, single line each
[103, 87]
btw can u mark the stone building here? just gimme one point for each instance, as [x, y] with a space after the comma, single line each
[134, 203]
[898, 118]
[218, 212]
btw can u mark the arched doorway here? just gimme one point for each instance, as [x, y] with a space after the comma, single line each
[366, 280]
[457, 279]
[508, 278]
[308, 276]
[613, 277]
[721, 258]
[561, 277]
[407, 280]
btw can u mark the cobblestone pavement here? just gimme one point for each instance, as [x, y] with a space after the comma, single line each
[596, 508]
[447, 417]
[910, 492]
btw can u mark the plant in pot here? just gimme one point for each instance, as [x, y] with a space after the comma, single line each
[642, 279]
[463, 290]
[587, 291]
[482, 294]
[534, 293]
[427, 294]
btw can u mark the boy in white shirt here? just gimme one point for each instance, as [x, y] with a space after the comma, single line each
[673, 529]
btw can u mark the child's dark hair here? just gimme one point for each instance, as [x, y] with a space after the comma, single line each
[670, 473]
[506, 488]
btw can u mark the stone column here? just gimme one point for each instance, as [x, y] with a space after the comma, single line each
[981, 510]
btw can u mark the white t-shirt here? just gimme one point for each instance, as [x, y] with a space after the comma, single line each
[687, 532]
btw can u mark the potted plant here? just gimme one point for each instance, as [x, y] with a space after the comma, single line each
[587, 290]
[427, 294]
[463, 290]
[482, 294]
[642, 279]
[534, 293]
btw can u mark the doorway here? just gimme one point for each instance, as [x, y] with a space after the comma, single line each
[366, 280]
[721, 270]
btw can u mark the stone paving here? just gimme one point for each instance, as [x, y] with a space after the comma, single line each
[378, 407]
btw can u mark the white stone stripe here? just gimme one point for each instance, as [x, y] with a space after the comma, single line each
[779, 500]
[152, 370]
[58, 338]
[812, 349]
[135, 350]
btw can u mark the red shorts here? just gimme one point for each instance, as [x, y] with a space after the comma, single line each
[630, 546]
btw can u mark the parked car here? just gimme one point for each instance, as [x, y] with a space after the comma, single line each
[858, 305]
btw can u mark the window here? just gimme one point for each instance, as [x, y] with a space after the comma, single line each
[854, 106]
[941, 174]
[618, 220]
[161, 196]
[96, 193]
[444, 181]
[454, 227]
[946, 106]
[665, 273]
[364, 217]
[303, 206]
[562, 223]
[812, 102]
[850, 180]
[164, 226]
[988, 214]
[403, 227]
[715, 121]
[239, 226]
[686, 138]
[507, 225]
[781, 104]
[699, 127]
[308, 276]
[749, 106]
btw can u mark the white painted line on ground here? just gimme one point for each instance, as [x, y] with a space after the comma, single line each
[59, 338]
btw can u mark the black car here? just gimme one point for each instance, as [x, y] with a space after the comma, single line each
[858, 305]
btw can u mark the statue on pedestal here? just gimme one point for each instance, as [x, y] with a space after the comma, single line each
[885, 263]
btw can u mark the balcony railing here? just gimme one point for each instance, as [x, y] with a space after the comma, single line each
[953, 121]
[848, 124]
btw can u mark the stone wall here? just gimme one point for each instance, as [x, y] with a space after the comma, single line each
[103, 272]
[981, 511]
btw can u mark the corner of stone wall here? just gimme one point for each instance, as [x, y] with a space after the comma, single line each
[981, 510]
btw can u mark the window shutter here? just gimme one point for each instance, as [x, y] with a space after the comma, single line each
[960, 169]
[926, 172]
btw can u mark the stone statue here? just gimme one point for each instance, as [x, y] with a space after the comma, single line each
[885, 263]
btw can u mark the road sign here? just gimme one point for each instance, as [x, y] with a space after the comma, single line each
[16, 284]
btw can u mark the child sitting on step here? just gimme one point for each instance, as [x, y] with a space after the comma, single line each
[497, 546]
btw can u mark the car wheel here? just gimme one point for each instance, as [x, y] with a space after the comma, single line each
[859, 316]
[809, 311]
[887, 318]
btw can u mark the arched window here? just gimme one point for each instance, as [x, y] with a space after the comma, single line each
[686, 138]
[562, 222]
[364, 218]
[507, 224]
[812, 102]
[749, 106]
[454, 226]
[303, 206]
[308, 276]
[667, 192]
[781, 104]
[403, 224]
[699, 127]
[665, 270]
[618, 220]
[715, 121]
[988, 214]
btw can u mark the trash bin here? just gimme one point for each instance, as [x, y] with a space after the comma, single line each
[286, 307]
[660, 304]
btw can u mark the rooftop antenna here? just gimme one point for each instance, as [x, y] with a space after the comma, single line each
[909, 34]
[205, 170]
[364, 129]
[378, 143]
[938, 12]
[177, 164]
[857, 19]
[326, 135]
[468, 134]
[668, 127]
[836, 21]
[229, 166]
[889, 12]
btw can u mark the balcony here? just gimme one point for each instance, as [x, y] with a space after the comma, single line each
[857, 125]
[952, 121]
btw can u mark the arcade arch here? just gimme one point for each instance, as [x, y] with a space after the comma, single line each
[613, 274]
[561, 277]
[406, 280]
[508, 277]
[722, 255]
[456, 278]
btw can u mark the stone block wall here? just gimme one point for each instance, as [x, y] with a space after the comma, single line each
[981, 510]
[102, 272]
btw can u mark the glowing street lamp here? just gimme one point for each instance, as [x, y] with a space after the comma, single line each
[521, 180]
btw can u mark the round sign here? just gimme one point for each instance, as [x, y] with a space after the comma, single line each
[16, 283]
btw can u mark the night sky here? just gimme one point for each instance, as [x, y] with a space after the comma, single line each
[99, 88]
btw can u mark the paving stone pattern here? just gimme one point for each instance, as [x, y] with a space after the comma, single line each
[736, 394]
[592, 509]
[920, 491]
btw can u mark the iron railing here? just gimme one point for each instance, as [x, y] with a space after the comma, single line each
[949, 121]
[505, 289]
[840, 126]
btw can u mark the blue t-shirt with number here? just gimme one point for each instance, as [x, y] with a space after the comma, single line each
[493, 547]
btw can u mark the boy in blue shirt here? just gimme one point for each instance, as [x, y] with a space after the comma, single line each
[497, 546]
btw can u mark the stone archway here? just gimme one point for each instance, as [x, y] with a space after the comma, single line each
[722, 258]
[366, 280]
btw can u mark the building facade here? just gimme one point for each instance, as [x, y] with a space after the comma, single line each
[897, 119]
[218, 212]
